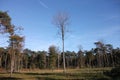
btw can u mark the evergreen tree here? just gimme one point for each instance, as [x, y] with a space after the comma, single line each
[52, 57]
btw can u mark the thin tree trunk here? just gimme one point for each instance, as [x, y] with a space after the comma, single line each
[18, 63]
[6, 62]
[64, 68]
[12, 60]
[111, 54]
[99, 60]
[107, 62]
[26, 64]
[58, 61]
[63, 53]
[12, 64]
[0, 61]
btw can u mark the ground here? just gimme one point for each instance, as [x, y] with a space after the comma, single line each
[71, 74]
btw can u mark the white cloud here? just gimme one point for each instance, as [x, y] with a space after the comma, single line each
[42, 4]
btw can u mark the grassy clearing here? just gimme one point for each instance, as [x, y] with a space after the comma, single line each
[77, 74]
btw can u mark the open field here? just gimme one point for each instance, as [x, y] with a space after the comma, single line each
[71, 74]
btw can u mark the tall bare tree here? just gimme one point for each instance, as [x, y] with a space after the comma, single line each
[61, 20]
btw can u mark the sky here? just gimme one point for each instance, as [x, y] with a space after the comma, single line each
[90, 21]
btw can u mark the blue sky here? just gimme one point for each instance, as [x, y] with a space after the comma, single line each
[90, 21]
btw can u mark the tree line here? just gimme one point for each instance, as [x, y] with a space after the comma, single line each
[102, 56]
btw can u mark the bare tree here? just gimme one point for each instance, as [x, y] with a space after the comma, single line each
[61, 20]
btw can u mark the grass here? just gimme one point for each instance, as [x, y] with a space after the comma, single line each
[71, 74]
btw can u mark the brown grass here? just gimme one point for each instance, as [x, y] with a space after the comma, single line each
[71, 74]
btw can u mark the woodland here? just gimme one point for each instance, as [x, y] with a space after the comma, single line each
[102, 62]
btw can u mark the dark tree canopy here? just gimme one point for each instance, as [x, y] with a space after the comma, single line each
[5, 21]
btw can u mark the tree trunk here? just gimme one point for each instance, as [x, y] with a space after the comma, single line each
[6, 61]
[64, 67]
[12, 60]
[0, 61]
[111, 54]
[12, 63]
[58, 61]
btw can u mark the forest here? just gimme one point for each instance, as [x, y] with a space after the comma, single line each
[101, 56]
[15, 58]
